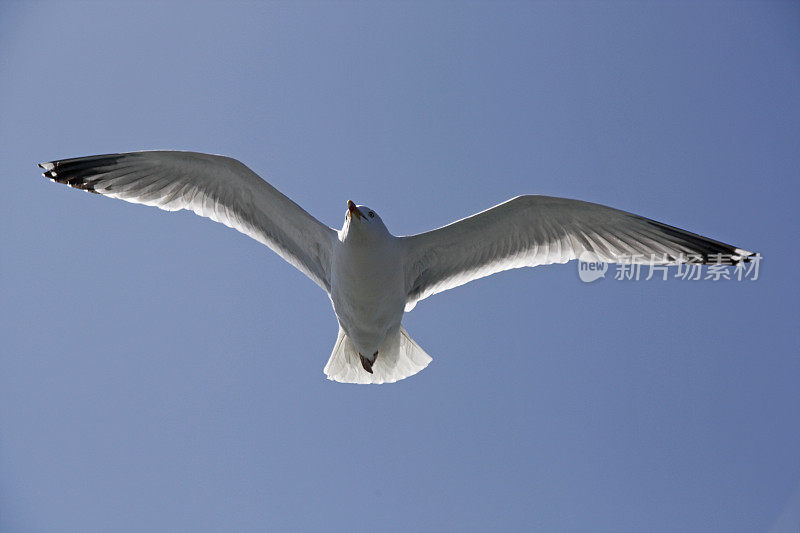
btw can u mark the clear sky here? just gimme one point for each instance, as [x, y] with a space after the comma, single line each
[162, 372]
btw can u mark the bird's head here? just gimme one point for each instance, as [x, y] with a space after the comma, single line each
[362, 222]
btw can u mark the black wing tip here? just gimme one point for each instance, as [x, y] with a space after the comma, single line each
[730, 258]
[707, 250]
[743, 256]
[730, 255]
[78, 172]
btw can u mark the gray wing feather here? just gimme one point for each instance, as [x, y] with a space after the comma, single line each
[539, 230]
[216, 187]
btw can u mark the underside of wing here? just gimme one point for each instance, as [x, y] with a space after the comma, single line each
[539, 230]
[217, 187]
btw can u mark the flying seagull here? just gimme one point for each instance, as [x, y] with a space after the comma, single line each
[371, 276]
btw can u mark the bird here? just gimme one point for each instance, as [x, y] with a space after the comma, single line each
[371, 276]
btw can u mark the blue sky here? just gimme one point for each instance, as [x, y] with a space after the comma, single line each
[162, 372]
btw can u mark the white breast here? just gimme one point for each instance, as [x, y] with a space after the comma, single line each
[368, 290]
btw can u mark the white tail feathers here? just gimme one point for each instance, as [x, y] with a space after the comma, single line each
[398, 358]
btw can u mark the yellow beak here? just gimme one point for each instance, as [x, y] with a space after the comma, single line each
[354, 211]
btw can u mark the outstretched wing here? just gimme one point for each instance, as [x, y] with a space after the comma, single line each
[213, 186]
[539, 230]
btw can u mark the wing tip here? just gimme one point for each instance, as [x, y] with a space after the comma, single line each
[77, 172]
[49, 168]
[710, 250]
[742, 256]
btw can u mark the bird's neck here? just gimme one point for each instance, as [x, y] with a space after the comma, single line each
[350, 235]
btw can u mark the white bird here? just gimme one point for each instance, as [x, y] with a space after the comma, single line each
[371, 276]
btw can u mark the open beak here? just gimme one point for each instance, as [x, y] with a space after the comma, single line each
[354, 212]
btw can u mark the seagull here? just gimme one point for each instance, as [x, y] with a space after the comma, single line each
[371, 276]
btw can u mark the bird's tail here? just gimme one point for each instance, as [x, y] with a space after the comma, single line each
[398, 358]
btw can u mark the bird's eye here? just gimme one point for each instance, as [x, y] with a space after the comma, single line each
[371, 214]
